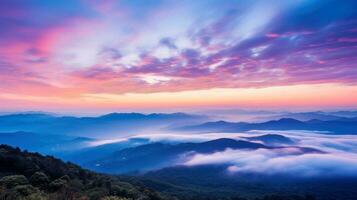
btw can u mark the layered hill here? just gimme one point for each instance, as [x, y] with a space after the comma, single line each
[158, 155]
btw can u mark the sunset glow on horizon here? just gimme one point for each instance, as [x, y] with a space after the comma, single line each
[91, 55]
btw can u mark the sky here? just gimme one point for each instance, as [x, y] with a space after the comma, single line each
[107, 55]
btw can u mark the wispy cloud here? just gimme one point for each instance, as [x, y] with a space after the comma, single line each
[161, 46]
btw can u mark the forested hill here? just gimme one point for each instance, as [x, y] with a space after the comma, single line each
[31, 176]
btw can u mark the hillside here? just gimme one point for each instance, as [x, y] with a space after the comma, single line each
[31, 176]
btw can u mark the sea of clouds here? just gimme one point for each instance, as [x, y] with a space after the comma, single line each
[338, 156]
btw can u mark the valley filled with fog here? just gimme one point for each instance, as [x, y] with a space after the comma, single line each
[295, 147]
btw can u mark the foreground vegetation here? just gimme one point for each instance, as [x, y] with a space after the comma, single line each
[31, 176]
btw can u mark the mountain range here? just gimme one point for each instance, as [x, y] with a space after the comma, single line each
[340, 126]
[113, 124]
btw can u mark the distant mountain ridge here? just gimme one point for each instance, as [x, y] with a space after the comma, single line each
[44, 143]
[103, 126]
[341, 126]
[306, 116]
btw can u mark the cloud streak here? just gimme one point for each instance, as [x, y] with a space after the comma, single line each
[287, 162]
